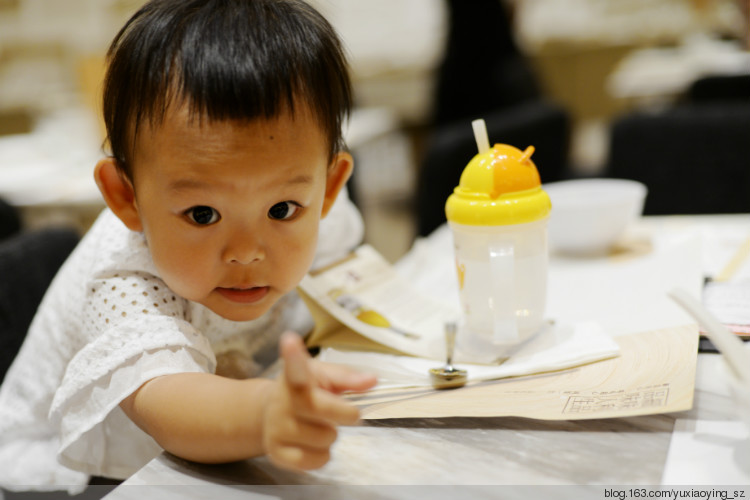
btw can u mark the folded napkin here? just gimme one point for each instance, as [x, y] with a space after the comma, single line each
[555, 347]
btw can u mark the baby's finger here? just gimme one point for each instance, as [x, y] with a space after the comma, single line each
[338, 379]
[307, 400]
[296, 361]
[299, 458]
[305, 434]
[326, 407]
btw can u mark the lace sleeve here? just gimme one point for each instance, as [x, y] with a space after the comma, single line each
[134, 329]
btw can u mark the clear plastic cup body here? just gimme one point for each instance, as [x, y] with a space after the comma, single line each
[502, 274]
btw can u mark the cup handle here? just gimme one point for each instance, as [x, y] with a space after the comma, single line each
[505, 323]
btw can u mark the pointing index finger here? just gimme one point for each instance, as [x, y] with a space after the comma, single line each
[308, 401]
[296, 361]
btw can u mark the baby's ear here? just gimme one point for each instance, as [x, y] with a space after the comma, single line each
[338, 173]
[118, 193]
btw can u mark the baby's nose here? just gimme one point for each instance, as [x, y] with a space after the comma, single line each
[244, 248]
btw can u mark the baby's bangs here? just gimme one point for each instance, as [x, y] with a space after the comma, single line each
[226, 60]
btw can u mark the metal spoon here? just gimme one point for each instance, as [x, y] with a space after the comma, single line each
[448, 376]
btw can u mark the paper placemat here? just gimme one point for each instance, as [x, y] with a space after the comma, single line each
[654, 373]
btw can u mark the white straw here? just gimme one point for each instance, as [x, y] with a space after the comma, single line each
[480, 135]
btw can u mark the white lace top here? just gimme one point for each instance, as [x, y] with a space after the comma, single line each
[107, 325]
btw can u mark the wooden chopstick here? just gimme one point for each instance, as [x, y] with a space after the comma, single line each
[730, 269]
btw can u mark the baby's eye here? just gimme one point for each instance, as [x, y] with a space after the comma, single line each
[203, 215]
[284, 210]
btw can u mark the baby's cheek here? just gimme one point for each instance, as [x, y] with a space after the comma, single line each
[188, 281]
[304, 254]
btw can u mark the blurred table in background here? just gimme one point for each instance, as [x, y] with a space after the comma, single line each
[658, 76]
[48, 173]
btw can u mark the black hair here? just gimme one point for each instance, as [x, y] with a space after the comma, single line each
[227, 60]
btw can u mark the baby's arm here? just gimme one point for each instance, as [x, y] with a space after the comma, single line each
[208, 418]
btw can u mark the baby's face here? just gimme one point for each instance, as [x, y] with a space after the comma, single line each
[231, 210]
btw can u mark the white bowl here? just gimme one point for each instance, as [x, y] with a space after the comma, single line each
[589, 215]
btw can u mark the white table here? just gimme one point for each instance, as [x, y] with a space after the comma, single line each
[510, 457]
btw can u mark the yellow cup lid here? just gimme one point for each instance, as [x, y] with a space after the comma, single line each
[498, 187]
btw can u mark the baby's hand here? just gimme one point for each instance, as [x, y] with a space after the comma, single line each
[300, 422]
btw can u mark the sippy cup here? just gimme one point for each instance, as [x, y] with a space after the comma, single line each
[498, 217]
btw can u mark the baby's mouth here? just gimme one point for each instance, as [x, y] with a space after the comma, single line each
[244, 295]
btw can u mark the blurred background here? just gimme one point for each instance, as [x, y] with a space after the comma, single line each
[581, 80]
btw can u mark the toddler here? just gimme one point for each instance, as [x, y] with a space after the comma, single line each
[224, 122]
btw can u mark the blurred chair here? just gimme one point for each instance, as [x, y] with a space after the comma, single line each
[10, 220]
[28, 262]
[484, 75]
[482, 68]
[719, 88]
[694, 158]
